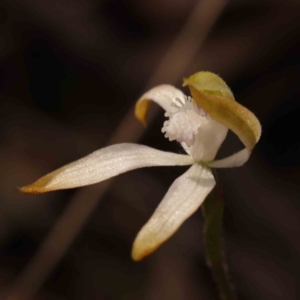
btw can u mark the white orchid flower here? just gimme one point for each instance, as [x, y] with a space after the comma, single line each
[200, 124]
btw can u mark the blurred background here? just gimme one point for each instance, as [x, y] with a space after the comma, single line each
[70, 73]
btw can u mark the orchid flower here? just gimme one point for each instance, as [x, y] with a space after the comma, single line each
[199, 124]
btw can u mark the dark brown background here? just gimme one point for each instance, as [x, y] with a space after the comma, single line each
[71, 70]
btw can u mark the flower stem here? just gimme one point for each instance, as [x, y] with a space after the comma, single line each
[213, 208]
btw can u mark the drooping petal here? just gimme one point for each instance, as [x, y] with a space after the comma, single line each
[162, 95]
[183, 198]
[217, 100]
[103, 164]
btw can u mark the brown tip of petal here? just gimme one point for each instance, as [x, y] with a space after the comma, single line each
[140, 250]
[38, 187]
[140, 111]
[31, 189]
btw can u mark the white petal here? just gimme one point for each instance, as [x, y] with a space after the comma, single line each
[103, 164]
[235, 160]
[210, 136]
[163, 96]
[183, 198]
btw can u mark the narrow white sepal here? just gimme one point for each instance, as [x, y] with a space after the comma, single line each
[106, 163]
[163, 96]
[183, 198]
[235, 160]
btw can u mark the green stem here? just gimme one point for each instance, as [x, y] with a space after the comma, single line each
[213, 213]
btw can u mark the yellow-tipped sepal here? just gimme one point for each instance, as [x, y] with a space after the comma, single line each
[212, 94]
